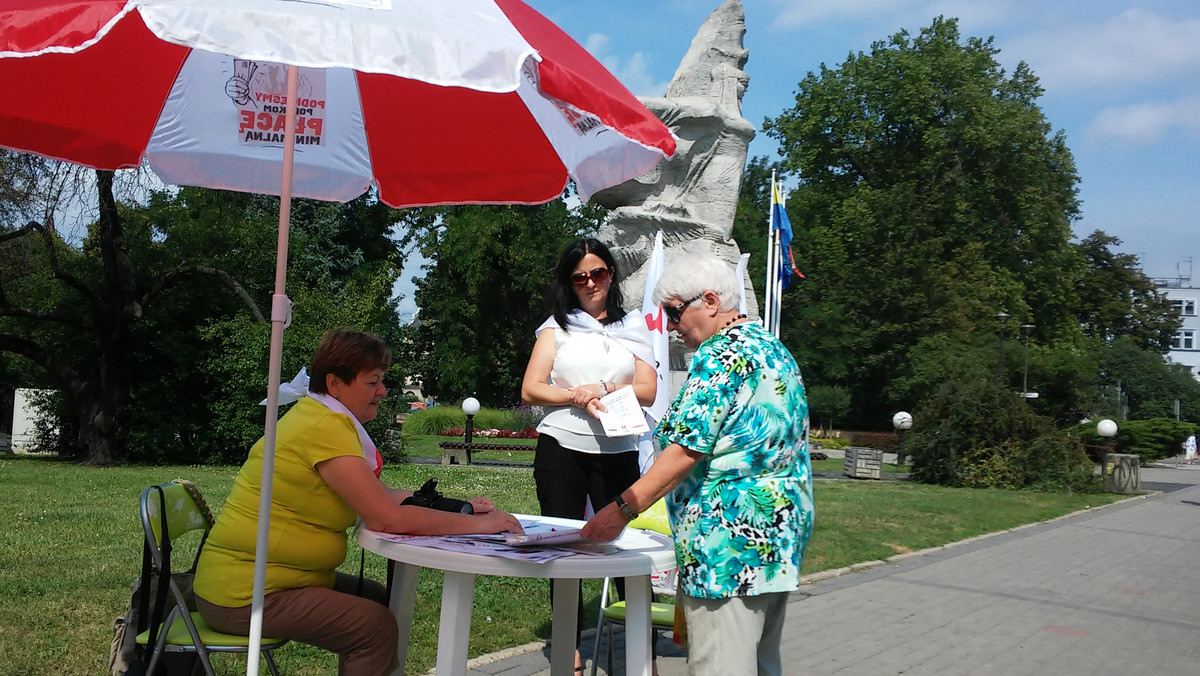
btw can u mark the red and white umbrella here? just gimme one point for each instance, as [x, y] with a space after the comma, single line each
[432, 101]
[496, 104]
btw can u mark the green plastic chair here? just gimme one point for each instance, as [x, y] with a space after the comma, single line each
[183, 630]
[662, 615]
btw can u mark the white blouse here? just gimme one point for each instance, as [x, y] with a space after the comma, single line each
[585, 357]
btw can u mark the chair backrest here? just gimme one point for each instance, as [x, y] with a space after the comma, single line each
[654, 518]
[183, 514]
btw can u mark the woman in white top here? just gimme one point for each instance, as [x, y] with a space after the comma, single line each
[588, 348]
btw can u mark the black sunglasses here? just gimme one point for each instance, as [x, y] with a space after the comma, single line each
[598, 276]
[675, 312]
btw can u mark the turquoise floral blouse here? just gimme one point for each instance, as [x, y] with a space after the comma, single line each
[743, 517]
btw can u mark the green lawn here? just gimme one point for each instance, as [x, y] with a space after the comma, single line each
[72, 544]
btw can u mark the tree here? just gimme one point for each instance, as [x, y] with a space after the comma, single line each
[72, 312]
[124, 323]
[484, 294]
[932, 195]
[1120, 300]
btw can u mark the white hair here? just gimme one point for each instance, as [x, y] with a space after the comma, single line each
[694, 274]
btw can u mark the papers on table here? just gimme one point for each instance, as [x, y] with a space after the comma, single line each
[538, 533]
[484, 545]
[542, 542]
[624, 416]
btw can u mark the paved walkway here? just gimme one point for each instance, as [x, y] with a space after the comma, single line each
[1113, 590]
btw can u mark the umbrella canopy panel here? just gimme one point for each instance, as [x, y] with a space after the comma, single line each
[204, 103]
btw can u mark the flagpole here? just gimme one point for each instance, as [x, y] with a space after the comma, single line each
[779, 253]
[769, 286]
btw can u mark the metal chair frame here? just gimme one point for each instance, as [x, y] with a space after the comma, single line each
[653, 519]
[177, 497]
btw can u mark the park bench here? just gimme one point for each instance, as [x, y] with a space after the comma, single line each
[459, 452]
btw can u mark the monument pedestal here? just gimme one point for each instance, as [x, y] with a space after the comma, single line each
[1122, 474]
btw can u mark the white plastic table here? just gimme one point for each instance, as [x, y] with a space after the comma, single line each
[458, 594]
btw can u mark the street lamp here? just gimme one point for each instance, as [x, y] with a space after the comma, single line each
[1003, 317]
[902, 421]
[470, 406]
[1025, 382]
[1107, 429]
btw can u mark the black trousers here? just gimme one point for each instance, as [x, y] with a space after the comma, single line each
[565, 479]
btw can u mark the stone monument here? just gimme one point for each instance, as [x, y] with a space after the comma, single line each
[693, 196]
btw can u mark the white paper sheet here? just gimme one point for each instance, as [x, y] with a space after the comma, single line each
[624, 415]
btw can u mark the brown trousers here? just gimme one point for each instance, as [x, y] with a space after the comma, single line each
[361, 630]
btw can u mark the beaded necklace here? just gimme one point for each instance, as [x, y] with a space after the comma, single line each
[731, 321]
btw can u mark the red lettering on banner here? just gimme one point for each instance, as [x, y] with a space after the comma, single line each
[264, 121]
[315, 125]
[280, 123]
[655, 323]
[247, 121]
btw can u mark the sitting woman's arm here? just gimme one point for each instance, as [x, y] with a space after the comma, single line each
[378, 507]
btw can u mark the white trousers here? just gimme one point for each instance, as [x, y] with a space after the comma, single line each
[737, 636]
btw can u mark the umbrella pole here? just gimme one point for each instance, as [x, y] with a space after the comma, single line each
[281, 311]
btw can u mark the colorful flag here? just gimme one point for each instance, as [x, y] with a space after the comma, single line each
[787, 262]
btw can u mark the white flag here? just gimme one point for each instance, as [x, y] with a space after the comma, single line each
[658, 340]
[741, 276]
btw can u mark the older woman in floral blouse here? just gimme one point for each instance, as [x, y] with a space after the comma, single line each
[735, 460]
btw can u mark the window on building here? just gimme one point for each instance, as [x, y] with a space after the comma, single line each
[1184, 340]
[1186, 308]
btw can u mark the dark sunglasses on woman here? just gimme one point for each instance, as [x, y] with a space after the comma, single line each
[675, 312]
[598, 276]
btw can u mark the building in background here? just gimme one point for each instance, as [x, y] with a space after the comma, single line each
[1185, 349]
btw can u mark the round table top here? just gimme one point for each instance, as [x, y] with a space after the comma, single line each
[624, 562]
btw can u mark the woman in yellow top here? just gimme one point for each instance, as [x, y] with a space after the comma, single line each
[326, 476]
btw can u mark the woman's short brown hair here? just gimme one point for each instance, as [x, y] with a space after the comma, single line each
[346, 353]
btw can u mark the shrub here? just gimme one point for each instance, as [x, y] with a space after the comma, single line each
[980, 434]
[827, 404]
[1150, 440]
[434, 419]
[835, 443]
[883, 441]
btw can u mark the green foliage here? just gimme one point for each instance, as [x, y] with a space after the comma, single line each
[827, 404]
[434, 420]
[880, 441]
[979, 434]
[1121, 299]
[484, 294]
[1151, 439]
[1137, 383]
[437, 419]
[932, 194]
[832, 443]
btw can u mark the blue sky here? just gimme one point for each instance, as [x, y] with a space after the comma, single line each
[1122, 79]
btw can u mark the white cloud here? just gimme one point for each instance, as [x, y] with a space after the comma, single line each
[633, 71]
[1146, 123]
[1133, 47]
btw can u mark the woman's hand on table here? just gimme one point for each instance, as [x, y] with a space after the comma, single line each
[498, 521]
[482, 505]
[605, 526]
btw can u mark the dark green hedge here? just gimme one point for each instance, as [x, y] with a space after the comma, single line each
[1152, 439]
